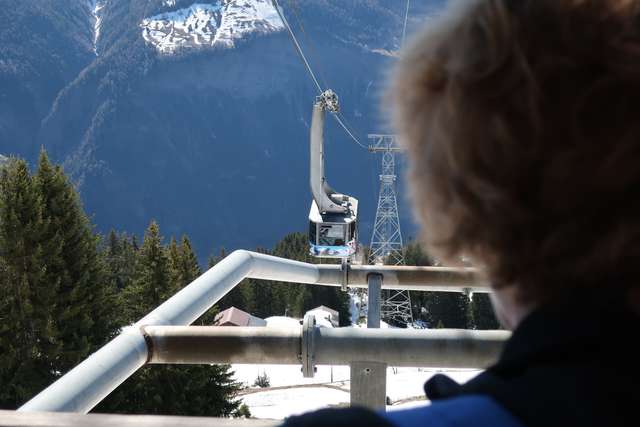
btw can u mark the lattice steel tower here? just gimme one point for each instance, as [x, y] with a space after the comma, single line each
[386, 240]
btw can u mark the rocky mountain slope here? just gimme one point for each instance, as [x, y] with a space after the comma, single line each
[196, 113]
[202, 25]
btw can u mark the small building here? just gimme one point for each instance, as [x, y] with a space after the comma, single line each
[328, 313]
[236, 317]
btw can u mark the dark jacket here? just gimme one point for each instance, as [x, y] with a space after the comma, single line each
[571, 364]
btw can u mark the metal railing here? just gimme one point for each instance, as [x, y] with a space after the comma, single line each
[325, 346]
[155, 338]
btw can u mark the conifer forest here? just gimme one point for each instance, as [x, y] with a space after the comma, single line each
[65, 290]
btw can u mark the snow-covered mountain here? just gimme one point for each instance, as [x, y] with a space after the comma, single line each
[218, 23]
[196, 112]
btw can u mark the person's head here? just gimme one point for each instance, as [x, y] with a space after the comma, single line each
[522, 124]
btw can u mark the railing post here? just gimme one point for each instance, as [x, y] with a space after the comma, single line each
[369, 379]
[374, 282]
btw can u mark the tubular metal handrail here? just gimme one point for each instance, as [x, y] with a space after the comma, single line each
[92, 380]
[340, 346]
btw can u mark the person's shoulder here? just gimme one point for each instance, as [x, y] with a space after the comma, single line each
[345, 417]
[471, 410]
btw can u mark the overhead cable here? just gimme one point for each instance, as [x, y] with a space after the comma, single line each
[404, 28]
[297, 45]
[340, 120]
[307, 39]
[344, 126]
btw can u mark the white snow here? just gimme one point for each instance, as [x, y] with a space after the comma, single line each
[218, 23]
[96, 7]
[323, 318]
[281, 321]
[289, 375]
[291, 394]
[357, 304]
[278, 404]
[169, 3]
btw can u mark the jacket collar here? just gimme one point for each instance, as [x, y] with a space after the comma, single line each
[570, 361]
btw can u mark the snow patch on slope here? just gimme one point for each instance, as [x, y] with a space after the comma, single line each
[219, 23]
[96, 7]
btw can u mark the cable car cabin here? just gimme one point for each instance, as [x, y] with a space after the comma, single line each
[333, 235]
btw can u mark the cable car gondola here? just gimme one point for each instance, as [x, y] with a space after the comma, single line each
[333, 217]
[333, 235]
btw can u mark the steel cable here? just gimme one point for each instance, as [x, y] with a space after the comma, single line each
[297, 46]
[404, 28]
[340, 120]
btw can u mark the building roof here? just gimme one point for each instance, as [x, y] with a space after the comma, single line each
[237, 317]
[325, 316]
[327, 309]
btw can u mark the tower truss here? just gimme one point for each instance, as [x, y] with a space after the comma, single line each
[386, 239]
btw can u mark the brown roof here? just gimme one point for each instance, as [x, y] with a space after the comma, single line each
[232, 316]
[236, 317]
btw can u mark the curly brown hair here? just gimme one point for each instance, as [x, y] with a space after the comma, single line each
[522, 123]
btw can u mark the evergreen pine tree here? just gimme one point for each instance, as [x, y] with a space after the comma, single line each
[189, 268]
[173, 255]
[415, 255]
[242, 296]
[483, 314]
[176, 390]
[213, 260]
[451, 309]
[303, 302]
[29, 345]
[447, 309]
[151, 285]
[186, 269]
[120, 260]
[84, 310]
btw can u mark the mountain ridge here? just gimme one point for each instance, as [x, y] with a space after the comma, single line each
[202, 25]
[202, 139]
